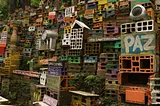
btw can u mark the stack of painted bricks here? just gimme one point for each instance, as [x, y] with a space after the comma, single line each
[108, 58]
[92, 50]
[60, 70]
[80, 56]
[154, 81]
[138, 59]
[58, 82]
[106, 54]
[72, 43]
[154, 85]
[3, 41]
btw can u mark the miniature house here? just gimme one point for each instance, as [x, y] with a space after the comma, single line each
[79, 32]
[47, 101]
[80, 98]
[48, 41]
[78, 35]
[67, 34]
[39, 92]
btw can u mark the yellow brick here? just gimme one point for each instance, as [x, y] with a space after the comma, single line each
[158, 18]
[102, 2]
[97, 19]
[110, 7]
[68, 29]
[102, 7]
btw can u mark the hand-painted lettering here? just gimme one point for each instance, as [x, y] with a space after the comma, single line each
[138, 43]
[128, 41]
[148, 45]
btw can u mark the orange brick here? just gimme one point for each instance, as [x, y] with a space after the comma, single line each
[137, 63]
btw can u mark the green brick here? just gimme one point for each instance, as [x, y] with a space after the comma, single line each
[110, 1]
[74, 60]
[109, 45]
[64, 58]
[117, 44]
[112, 45]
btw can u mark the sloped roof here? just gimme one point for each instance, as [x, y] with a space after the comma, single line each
[81, 24]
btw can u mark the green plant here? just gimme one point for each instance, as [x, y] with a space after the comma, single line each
[93, 83]
[23, 64]
[80, 84]
[37, 66]
[35, 3]
[3, 9]
[19, 91]
[108, 102]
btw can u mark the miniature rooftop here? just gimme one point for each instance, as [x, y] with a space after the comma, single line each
[83, 93]
[41, 103]
[2, 99]
[81, 24]
[40, 86]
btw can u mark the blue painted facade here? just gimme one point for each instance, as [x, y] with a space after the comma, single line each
[138, 43]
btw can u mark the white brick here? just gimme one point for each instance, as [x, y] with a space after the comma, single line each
[145, 26]
[67, 36]
[128, 28]
[66, 42]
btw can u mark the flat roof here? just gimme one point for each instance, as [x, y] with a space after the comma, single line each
[41, 103]
[83, 93]
[42, 69]
[40, 86]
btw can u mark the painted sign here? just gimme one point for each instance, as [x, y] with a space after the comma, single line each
[45, 61]
[55, 64]
[138, 43]
[103, 39]
[27, 73]
[50, 101]
[53, 82]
